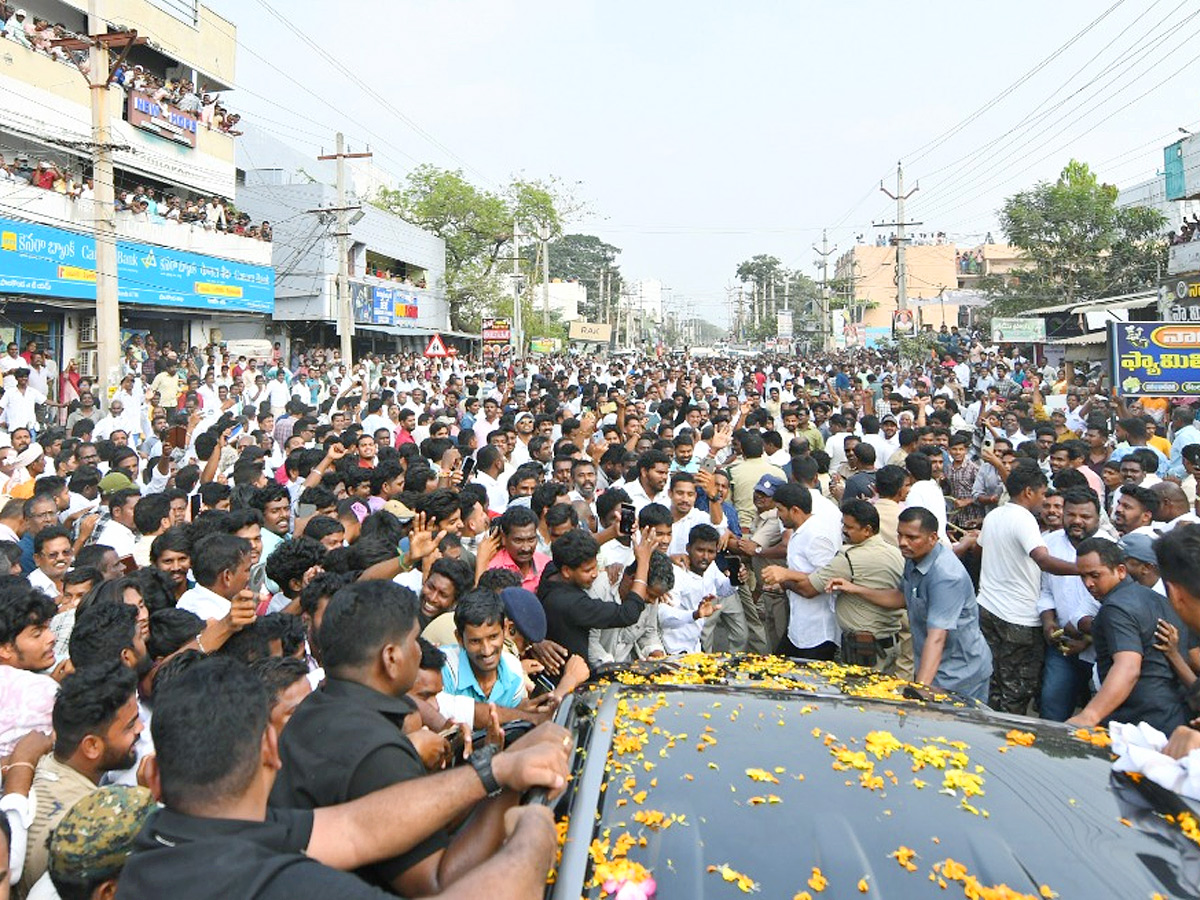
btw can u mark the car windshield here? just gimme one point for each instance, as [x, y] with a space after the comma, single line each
[704, 790]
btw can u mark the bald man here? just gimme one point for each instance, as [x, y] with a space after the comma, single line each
[1173, 507]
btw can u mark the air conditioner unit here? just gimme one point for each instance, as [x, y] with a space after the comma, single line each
[87, 329]
[89, 363]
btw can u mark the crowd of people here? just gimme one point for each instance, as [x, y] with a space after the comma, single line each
[314, 618]
[1189, 230]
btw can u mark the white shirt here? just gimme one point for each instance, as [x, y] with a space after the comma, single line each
[19, 409]
[639, 498]
[41, 580]
[811, 621]
[1010, 582]
[117, 536]
[680, 629]
[883, 447]
[204, 603]
[1065, 594]
[681, 529]
[278, 393]
[928, 495]
[496, 491]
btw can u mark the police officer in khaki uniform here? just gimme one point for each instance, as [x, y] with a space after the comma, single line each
[870, 633]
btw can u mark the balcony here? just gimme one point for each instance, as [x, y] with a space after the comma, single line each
[58, 211]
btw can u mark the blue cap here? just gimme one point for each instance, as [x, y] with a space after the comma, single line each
[767, 485]
[524, 610]
[1139, 547]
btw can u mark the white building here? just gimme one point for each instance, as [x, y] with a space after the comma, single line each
[565, 298]
[397, 270]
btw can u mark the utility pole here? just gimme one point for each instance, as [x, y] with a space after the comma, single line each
[345, 314]
[544, 237]
[825, 253]
[516, 277]
[104, 225]
[900, 240]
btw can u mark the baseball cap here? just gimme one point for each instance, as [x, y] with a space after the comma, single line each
[525, 611]
[768, 484]
[398, 509]
[1139, 547]
[113, 482]
[94, 839]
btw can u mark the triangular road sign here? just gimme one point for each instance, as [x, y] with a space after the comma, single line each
[436, 347]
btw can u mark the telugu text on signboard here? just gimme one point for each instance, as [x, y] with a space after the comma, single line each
[1155, 359]
[1018, 331]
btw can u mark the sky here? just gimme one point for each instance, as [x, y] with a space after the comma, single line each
[702, 133]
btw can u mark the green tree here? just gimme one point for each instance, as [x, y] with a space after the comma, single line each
[477, 226]
[586, 257]
[1077, 244]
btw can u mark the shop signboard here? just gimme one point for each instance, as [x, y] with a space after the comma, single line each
[496, 331]
[593, 332]
[1019, 331]
[1155, 359]
[40, 261]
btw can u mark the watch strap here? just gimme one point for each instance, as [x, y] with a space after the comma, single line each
[481, 762]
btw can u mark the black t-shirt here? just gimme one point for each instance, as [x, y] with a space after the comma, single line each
[343, 742]
[184, 857]
[1126, 621]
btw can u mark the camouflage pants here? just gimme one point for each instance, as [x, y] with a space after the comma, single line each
[1018, 652]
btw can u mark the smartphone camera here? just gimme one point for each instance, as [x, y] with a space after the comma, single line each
[628, 519]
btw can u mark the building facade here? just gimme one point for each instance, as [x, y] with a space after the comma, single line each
[186, 281]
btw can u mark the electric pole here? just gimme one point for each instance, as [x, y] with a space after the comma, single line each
[824, 253]
[900, 240]
[104, 225]
[345, 314]
[516, 277]
[544, 237]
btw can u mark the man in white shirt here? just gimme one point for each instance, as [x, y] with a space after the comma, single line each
[221, 567]
[1063, 602]
[812, 631]
[18, 407]
[699, 589]
[489, 472]
[924, 491]
[685, 516]
[118, 532]
[1014, 557]
[653, 469]
[9, 363]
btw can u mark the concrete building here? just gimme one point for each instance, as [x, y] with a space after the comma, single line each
[186, 283]
[397, 270]
[565, 298]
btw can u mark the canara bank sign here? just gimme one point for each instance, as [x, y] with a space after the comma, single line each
[162, 119]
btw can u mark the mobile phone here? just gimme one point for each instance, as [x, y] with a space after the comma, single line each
[735, 571]
[454, 736]
[628, 519]
[128, 564]
[708, 464]
[177, 436]
[468, 466]
[194, 501]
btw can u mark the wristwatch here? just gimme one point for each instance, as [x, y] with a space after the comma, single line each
[758, 550]
[481, 762]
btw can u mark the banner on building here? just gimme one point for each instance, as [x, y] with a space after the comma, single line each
[594, 332]
[544, 345]
[1179, 299]
[1155, 359]
[904, 323]
[162, 119]
[40, 261]
[377, 305]
[837, 323]
[1019, 331]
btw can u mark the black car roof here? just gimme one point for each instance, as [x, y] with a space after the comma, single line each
[758, 775]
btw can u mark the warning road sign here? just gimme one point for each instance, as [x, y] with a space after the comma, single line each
[436, 348]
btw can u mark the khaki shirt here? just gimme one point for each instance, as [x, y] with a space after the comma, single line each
[767, 531]
[743, 477]
[889, 520]
[874, 564]
[56, 788]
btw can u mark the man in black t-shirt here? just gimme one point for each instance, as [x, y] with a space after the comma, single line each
[217, 756]
[1137, 683]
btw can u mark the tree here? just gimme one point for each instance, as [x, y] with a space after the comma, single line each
[586, 257]
[477, 226]
[769, 279]
[1077, 244]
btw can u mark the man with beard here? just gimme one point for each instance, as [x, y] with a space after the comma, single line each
[1067, 669]
[1135, 511]
[96, 725]
[1137, 683]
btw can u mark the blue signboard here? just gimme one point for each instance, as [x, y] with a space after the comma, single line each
[51, 262]
[1155, 359]
[378, 305]
[381, 312]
